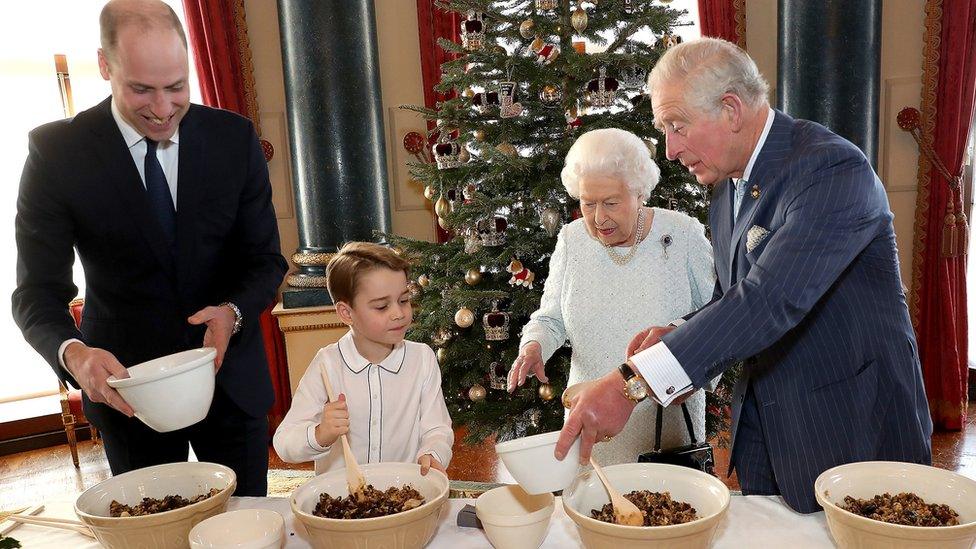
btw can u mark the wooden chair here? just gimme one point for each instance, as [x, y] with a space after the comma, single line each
[72, 411]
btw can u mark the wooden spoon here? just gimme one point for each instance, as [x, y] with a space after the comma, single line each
[354, 475]
[624, 511]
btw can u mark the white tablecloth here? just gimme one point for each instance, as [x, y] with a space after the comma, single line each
[752, 521]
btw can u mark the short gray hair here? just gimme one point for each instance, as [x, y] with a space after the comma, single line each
[709, 68]
[611, 152]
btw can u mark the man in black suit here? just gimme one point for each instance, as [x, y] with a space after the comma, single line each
[169, 207]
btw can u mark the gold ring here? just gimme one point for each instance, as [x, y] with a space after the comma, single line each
[607, 438]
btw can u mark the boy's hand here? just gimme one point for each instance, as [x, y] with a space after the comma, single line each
[427, 461]
[335, 422]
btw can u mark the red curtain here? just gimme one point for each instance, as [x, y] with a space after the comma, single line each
[939, 282]
[725, 19]
[218, 36]
[434, 23]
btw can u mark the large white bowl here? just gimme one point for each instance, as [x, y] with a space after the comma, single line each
[531, 462]
[171, 392]
[241, 529]
[867, 479]
[707, 494]
[411, 529]
[513, 519]
[161, 530]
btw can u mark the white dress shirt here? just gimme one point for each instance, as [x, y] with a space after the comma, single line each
[396, 408]
[657, 365]
[168, 154]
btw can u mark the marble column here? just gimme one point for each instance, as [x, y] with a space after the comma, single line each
[335, 125]
[829, 67]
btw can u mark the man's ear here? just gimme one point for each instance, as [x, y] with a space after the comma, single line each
[344, 312]
[733, 111]
[103, 64]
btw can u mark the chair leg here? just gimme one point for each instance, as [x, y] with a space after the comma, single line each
[72, 444]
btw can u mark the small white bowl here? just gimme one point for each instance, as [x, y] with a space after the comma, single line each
[241, 529]
[159, 530]
[171, 392]
[705, 493]
[870, 478]
[513, 519]
[532, 464]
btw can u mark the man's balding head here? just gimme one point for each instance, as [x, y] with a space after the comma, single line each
[145, 15]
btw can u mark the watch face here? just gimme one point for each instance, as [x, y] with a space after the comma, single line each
[636, 390]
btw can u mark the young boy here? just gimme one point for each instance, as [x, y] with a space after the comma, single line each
[389, 400]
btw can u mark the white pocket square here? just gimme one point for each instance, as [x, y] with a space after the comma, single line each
[755, 237]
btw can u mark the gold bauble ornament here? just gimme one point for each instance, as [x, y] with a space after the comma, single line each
[423, 280]
[464, 156]
[477, 393]
[665, 1]
[500, 50]
[468, 92]
[527, 28]
[579, 19]
[473, 276]
[479, 135]
[444, 224]
[464, 317]
[537, 44]
[507, 149]
[430, 192]
[442, 207]
[546, 392]
[441, 355]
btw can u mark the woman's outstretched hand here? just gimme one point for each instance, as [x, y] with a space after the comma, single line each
[528, 363]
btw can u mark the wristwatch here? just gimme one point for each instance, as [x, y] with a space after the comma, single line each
[238, 317]
[635, 388]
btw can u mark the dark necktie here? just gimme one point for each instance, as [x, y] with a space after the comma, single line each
[160, 199]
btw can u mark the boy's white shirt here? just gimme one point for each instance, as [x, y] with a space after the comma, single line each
[396, 407]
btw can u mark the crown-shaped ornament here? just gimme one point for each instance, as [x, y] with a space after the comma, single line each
[497, 376]
[602, 90]
[447, 153]
[473, 31]
[491, 231]
[495, 323]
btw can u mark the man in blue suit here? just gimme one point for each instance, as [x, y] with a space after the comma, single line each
[169, 207]
[808, 295]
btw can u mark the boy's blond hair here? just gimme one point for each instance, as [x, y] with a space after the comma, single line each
[354, 260]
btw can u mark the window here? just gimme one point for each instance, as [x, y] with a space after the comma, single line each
[31, 33]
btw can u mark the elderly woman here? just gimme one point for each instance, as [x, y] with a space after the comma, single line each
[622, 267]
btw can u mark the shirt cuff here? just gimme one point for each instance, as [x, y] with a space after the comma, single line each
[312, 443]
[677, 322]
[61, 351]
[423, 453]
[662, 372]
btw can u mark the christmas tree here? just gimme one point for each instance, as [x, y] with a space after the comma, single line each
[524, 89]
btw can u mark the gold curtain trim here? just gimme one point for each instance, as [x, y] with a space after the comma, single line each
[313, 327]
[740, 22]
[247, 64]
[930, 80]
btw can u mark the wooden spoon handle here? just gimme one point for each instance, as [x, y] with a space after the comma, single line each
[354, 475]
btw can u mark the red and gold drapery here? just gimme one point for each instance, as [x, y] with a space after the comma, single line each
[218, 36]
[938, 296]
[433, 24]
[725, 19]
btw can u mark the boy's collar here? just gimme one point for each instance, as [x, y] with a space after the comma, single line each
[357, 363]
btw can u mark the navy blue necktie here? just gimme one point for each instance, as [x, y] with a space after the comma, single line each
[160, 199]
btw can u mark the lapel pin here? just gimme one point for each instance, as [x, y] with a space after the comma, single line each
[755, 192]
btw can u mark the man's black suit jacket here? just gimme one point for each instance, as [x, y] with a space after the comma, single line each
[80, 189]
